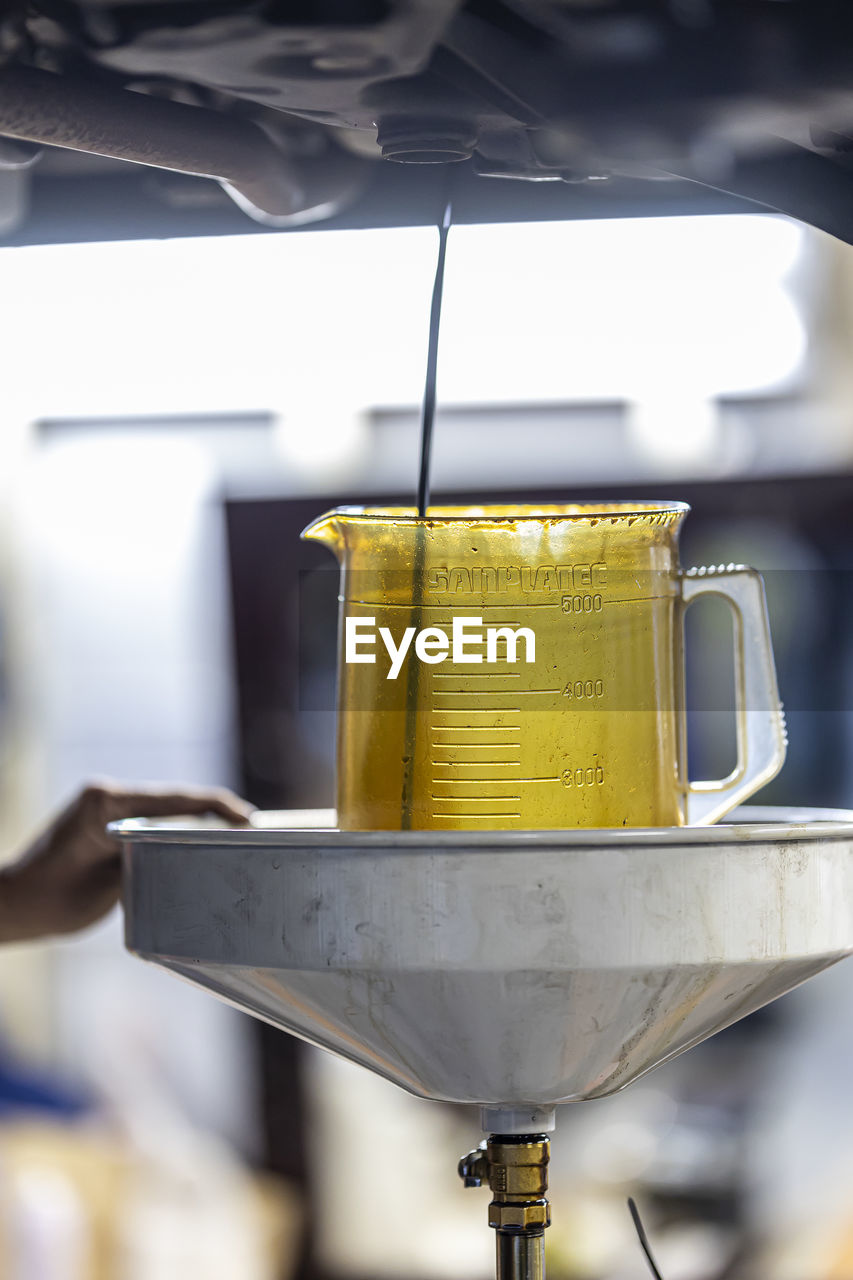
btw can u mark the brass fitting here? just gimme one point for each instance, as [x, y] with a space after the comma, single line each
[516, 1170]
[531, 1216]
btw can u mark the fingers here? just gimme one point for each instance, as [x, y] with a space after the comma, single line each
[69, 876]
[114, 802]
[165, 804]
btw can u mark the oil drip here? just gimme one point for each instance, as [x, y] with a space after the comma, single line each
[427, 423]
[428, 411]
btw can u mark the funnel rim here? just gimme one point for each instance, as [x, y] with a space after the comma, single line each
[756, 825]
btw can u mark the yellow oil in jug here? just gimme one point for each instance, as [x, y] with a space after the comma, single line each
[588, 734]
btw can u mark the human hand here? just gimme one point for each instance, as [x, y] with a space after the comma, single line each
[71, 875]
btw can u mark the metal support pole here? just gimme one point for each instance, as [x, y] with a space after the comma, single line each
[515, 1167]
[520, 1256]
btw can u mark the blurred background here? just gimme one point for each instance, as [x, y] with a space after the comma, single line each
[174, 413]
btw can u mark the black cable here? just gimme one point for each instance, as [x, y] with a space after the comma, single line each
[428, 413]
[644, 1239]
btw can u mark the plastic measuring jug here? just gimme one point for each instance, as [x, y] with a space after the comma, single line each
[583, 727]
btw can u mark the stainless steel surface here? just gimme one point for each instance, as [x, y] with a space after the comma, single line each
[749, 824]
[512, 969]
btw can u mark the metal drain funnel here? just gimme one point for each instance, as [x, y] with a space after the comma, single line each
[511, 969]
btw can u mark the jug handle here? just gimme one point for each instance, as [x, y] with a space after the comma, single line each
[761, 736]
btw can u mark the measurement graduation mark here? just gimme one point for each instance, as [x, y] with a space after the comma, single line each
[497, 782]
[488, 764]
[475, 764]
[475, 608]
[477, 799]
[473, 711]
[515, 693]
[474, 675]
[476, 728]
[379, 605]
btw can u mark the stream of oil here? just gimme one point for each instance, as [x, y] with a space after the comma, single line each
[428, 411]
[421, 532]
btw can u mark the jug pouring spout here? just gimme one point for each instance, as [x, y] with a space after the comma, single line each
[369, 539]
[327, 529]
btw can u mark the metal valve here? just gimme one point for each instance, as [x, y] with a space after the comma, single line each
[474, 1168]
[516, 1170]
